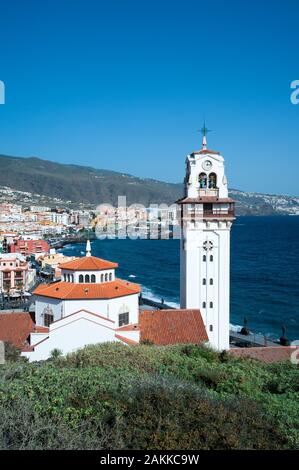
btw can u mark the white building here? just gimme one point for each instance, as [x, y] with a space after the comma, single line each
[207, 214]
[89, 305]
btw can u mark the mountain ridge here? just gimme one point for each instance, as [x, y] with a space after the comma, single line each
[86, 185]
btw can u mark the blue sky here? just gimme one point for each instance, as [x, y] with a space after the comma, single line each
[125, 85]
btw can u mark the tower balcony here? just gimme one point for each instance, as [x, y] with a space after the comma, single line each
[212, 192]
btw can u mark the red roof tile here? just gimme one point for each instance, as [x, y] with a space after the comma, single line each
[128, 341]
[105, 290]
[15, 328]
[172, 326]
[88, 263]
[205, 199]
[204, 152]
[267, 354]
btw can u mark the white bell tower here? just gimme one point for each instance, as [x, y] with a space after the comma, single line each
[207, 214]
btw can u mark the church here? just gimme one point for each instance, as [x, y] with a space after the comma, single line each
[207, 214]
[91, 305]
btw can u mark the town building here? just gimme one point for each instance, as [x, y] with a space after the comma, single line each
[29, 247]
[50, 263]
[15, 273]
[207, 214]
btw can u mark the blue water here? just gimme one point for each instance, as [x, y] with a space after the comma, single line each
[264, 270]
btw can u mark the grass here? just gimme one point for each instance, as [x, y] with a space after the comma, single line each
[112, 396]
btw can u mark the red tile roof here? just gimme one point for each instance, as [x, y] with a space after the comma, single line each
[15, 328]
[71, 291]
[128, 341]
[172, 326]
[204, 199]
[205, 151]
[88, 263]
[267, 354]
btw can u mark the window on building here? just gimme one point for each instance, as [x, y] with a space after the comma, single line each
[204, 258]
[211, 258]
[204, 305]
[81, 278]
[212, 180]
[207, 207]
[102, 277]
[202, 179]
[204, 281]
[123, 319]
[110, 277]
[87, 278]
[106, 277]
[211, 327]
[211, 304]
[72, 278]
[93, 278]
[68, 278]
[48, 319]
[211, 282]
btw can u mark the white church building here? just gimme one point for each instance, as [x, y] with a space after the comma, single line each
[90, 305]
[207, 214]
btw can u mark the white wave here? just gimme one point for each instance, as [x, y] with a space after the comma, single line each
[149, 294]
[132, 275]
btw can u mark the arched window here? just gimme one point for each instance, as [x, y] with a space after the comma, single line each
[72, 278]
[102, 277]
[68, 278]
[204, 305]
[106, 277]
[204, 281]
[211, 304]
[202, 179]
[204, 258]
[212, 180]
[81, 279]
[93, 278]
[211, 282]
[110, 277]
[87, 280]
[63, 278]
[211, 258]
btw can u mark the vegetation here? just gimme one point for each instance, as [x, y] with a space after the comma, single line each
[111, 396]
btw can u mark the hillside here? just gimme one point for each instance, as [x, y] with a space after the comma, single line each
[112, 396]
[50, 183]
[82, 184]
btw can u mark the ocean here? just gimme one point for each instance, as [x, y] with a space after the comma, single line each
[264, 271]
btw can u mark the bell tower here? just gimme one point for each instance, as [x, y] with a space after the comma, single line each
[206, 214]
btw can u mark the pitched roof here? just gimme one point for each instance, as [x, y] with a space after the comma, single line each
[172, 326]
[205, 151]
[88, 263]
[15, 328]
[72, 291]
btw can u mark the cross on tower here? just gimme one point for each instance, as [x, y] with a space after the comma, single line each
[204, 130]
